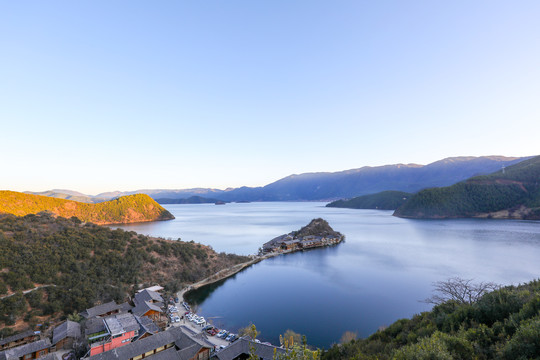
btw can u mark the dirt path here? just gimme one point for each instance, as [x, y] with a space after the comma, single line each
[27, 291]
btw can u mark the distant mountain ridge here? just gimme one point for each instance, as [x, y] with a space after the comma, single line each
[385, 200]
[125, 209]
[189, 200]
[346, 184]
[70, 195]
[510, 193]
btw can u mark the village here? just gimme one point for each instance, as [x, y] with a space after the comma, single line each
[158, 326]
[288, 243]
[151, 326]
[317, 233]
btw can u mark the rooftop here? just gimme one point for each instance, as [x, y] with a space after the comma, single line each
[16, 337]
[121, 323]
[100, 310]
[243, 346]
[173, 335]
[66, 329]
[26, 349]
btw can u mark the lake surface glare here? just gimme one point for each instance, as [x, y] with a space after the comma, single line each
[378, 275]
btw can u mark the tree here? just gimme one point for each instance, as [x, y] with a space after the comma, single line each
[348, 336]
[462, 291]
[289, 339]
[250, 331]
[297, 352]
[75, 317]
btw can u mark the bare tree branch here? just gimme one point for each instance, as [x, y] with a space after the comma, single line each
[462, 291]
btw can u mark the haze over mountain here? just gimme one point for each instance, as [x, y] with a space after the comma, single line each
[348, 183]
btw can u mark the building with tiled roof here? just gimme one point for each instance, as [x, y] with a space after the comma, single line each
[172, 344]
[19, 339]
[242, 348]
[65, 334]
[32, 350]
[102, 310]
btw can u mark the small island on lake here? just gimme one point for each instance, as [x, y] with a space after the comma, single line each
[317, 233]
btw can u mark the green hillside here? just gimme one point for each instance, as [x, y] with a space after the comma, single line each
[82, 264]
[503, 324]
[385, 200]
[510, 194]
[125, 209]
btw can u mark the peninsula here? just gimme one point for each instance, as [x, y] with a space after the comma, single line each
[317, 233]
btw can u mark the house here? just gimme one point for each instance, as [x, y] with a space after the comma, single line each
[102, 310]
[241, 350]
[95, 330]
[119, 331]
[28, 351]
[148, 296]
[146, 327]
[290, 244]
[172, 344]
[65, 334]
[275, 244]
[19, 339]
[149, 309]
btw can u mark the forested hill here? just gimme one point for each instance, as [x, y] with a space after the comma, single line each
[503, 324]
[385, 200]
[512, 193]
[125, 209]
[81, 264]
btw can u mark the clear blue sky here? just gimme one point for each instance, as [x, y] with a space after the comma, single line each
[122, 95]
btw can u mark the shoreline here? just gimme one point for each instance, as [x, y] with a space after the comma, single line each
[228, 272]
[222, 275]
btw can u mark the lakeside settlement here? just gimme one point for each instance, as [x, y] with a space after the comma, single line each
[151, 323]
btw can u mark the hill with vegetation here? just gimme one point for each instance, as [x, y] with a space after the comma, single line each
[316, 227]
[125, 209]
[502, 324]
[82, 264]
[512, 193]
[385, 200]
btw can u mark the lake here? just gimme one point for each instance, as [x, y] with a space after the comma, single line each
[378, 275]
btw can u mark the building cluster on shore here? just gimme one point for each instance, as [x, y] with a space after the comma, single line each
[317, 233]
[125, 331]
[150, 325]
[288, 242]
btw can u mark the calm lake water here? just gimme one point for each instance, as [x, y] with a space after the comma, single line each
[379, 274]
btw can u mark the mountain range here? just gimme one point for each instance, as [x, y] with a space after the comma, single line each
[324, 186]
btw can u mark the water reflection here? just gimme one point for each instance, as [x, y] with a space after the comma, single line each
[377, 276]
